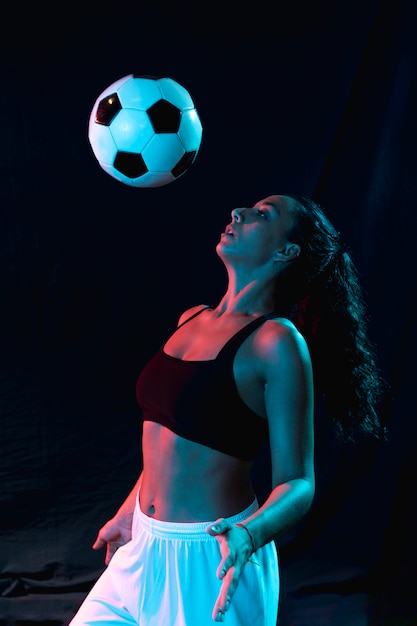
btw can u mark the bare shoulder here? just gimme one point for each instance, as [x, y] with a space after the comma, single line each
[278, 338]
[190, 312]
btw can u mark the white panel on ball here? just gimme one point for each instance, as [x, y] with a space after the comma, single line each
[145, 131]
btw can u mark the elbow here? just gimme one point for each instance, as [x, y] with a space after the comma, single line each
[308, 490]
[304, 491]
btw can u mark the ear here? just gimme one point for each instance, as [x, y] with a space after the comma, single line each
[290, 252]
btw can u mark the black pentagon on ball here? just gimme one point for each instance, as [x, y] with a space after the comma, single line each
[107, 109]
[165, 117]
[184, 163]
[129, 164]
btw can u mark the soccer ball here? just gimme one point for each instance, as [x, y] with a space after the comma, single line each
[145, 131]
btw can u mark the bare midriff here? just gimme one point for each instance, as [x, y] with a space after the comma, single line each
[184, 481]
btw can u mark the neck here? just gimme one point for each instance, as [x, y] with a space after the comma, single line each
[252, 299]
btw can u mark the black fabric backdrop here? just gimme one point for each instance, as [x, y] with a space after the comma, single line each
[305, 97]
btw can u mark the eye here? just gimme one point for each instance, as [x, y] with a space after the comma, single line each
[261, 213]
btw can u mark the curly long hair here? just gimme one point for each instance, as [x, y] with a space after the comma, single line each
[321, 293]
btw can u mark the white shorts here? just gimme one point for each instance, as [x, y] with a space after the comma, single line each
[166, 576]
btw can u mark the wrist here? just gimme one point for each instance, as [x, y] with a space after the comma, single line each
[252, 542]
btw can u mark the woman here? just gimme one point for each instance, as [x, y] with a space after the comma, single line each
[193, 545]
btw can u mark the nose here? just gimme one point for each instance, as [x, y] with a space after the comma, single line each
[237, 215]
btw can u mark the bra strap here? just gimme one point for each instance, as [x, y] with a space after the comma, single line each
[205, 307]
[238, 338]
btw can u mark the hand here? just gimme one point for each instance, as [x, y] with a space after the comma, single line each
[114, 534]
[235, 550]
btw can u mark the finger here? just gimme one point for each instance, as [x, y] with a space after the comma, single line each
[217, 527]
[226, 564]
[219, 612]
[221, 570]
[224, 598]
[108, 558]
[110, 552]
[98, 544]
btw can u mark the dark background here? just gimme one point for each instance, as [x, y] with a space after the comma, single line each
[309, 97]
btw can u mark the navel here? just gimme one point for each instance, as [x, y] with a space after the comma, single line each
[150, 511]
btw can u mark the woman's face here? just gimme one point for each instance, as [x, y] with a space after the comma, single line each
[259, 233]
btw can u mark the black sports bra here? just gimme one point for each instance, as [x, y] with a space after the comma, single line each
[199, 400]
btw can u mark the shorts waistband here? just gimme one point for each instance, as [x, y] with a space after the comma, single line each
[186, 530]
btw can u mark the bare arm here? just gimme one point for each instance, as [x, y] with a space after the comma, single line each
[284, 366]
[289, 409]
